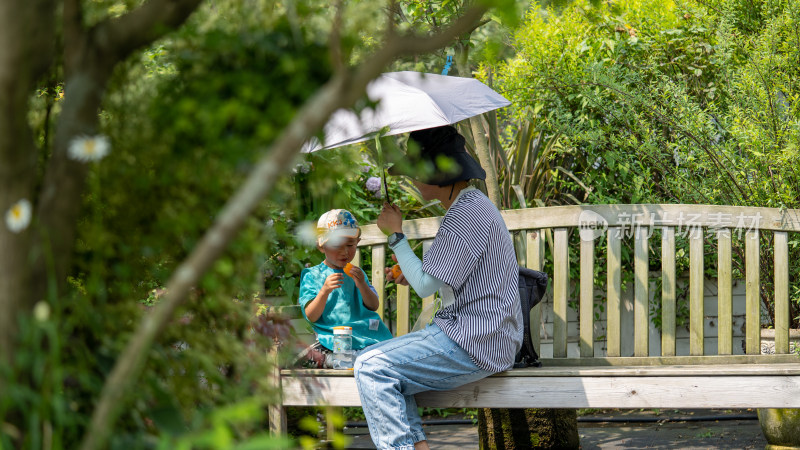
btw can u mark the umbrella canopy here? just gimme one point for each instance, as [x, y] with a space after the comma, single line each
[409, 101]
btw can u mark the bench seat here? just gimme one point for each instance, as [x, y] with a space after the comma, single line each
[653, 386]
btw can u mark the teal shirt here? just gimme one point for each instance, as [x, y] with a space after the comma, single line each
[345, 307]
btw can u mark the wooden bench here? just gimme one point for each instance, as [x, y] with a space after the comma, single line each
[590, 370]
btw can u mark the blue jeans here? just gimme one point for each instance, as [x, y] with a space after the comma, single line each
[388, 374]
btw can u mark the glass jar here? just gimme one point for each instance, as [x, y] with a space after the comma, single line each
[342, 357]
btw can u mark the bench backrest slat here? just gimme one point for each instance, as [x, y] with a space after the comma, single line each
[696, 282]
[753, 299]
[587, 298]
[560, 291]
[781, 292]
[534, 259]
[679, 216]
[641, 293]
[669, 287]
[403, 305]
[379, 277]
[724, 293]
[614, 292]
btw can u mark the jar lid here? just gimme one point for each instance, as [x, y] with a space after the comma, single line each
[342, 330]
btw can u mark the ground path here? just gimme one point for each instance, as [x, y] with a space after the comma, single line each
[707, 429]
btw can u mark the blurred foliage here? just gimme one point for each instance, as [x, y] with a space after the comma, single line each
[187, 119]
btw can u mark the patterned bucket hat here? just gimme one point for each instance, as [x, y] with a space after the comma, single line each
[335, 225]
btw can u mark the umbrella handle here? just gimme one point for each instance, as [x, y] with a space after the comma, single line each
[385, 185]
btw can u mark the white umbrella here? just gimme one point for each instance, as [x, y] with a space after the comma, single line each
[409, 101]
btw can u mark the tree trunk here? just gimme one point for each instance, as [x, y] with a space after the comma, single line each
[518, 429]
[478, 134]
[26, 52]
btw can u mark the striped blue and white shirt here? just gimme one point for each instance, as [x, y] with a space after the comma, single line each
[473, 254]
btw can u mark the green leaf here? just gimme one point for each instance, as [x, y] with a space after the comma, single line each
[265, 441]
[506, 10]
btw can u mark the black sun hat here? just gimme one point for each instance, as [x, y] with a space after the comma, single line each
[444, 142]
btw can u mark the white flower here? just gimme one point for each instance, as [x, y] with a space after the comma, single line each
[306, 233]
[86, 149]
[18, 217]
[41, 311]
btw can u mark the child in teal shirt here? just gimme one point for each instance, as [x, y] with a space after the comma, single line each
[329, 297]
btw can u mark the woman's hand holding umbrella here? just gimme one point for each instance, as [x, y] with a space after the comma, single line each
[390, 219]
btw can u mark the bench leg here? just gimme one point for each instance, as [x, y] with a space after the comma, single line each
[277, 413]
[277, 420]
[330, 426]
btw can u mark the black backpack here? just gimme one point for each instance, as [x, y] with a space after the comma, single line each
[532, 286]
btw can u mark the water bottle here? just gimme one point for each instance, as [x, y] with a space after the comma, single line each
[342, 348]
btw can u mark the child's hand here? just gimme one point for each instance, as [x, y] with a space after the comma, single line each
[334, 281]
[355, 273]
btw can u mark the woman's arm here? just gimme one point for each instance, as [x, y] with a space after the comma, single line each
[423, 283]
[391, 221]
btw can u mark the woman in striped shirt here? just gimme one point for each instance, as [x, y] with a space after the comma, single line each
[472, 264]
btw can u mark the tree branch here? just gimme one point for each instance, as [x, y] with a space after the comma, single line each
[341, 91]
[118, 37]
[391, 25]
[74, 34]
[335, 41]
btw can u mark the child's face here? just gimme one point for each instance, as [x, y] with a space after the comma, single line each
[338, 256]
